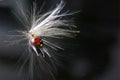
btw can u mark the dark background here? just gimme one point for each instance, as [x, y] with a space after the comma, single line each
[97, 47]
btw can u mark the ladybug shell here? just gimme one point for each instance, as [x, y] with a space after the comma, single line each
[35, 41]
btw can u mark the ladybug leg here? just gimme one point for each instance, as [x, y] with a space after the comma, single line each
[38, 51]
[41, 44]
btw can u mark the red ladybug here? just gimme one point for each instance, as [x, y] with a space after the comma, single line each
[36, 41]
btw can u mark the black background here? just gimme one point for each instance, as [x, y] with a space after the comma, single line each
[96, 54]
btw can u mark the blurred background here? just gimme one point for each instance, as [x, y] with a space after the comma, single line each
[96, 54]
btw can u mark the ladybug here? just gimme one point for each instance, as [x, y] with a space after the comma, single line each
[36, 41]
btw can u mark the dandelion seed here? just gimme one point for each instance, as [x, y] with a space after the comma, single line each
[50, 24]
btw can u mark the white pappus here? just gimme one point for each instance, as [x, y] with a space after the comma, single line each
[51, 24]
[47, 25]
